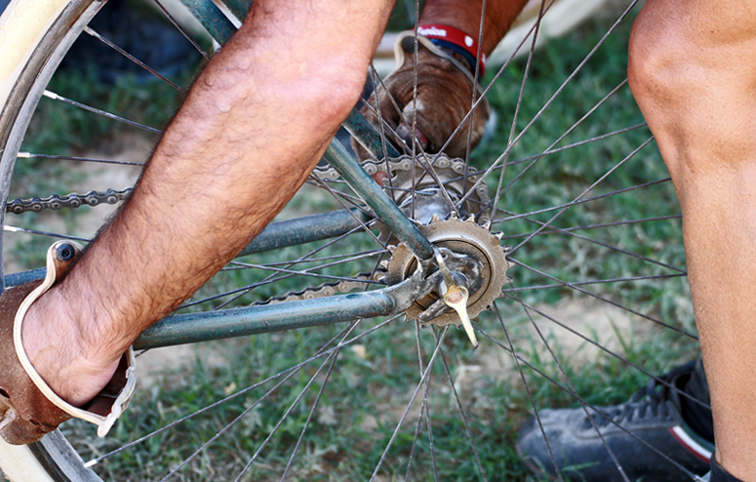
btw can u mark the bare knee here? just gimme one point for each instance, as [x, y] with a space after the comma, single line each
[677, 45]
[657, 75]
[687, 74]
[658, 67]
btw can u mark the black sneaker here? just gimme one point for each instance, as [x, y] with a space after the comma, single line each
[652, 415]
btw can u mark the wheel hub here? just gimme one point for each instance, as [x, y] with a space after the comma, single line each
[472, 253]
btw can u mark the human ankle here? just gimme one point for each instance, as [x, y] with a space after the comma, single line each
[692, 410]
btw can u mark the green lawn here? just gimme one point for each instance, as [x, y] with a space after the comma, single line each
[375, 377]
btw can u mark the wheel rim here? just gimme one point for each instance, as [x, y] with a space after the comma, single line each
[400, 426]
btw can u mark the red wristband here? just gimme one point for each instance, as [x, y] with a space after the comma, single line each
[455, 37]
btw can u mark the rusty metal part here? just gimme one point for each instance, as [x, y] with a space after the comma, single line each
[326, 289]
[428, 199]
[73, 200]
[419, 186]
[464, 238]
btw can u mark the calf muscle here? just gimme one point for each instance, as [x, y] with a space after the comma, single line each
[692, 72]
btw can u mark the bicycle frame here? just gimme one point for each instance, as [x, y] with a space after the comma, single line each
[191, 328]
[196, 327]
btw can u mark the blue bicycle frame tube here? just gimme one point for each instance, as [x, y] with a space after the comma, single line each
[194, 327]
[388, 212]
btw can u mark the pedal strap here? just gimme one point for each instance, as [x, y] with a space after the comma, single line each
[104, 420]
[448, 37]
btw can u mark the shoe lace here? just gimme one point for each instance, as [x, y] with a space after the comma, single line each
[649, 401]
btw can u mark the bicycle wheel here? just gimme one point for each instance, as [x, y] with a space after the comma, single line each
[594, 299]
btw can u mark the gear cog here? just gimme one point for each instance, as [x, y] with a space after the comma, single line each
[417, 193]
[472, 245]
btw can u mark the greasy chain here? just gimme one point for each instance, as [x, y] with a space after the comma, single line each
[111, 196]
[73, 200]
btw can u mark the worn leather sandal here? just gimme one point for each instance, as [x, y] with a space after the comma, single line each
[444, 93]
[29, 408]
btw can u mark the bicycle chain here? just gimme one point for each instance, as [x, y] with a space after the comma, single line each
[326, 289]
[93, 198]
[330, 289]
[403, 163]
[111, 196]
[73, 200]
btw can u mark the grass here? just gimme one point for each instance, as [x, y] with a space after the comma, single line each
[374, 378]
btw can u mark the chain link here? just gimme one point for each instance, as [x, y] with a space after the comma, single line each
[94, 198]
[327, 289]
[73, 200]
[111, 196]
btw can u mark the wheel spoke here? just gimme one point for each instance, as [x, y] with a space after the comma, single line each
[582, 195]
[601, 298]
[424, 414]
[566, 378]
[271, 278]
[595, 226]
[306, 425]
[572, 234]
[612, 353]
[511, 350]
[94, 110]
[138, 62]
[287, 374]
[425, 375]
[550, 149]
[596, 410]
[594, 282]
[183, 32]
[29, 155]
[463, 416]
[548, 103]
[328, 362]
[513, 128]
[581, 201]
[333, 193]
[16, 229]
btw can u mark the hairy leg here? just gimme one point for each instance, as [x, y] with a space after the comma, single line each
[252, 128]
[693, 72]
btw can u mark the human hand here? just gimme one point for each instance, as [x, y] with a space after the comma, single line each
[444, 97]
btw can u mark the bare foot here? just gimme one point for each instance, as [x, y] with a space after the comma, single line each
[61, 353]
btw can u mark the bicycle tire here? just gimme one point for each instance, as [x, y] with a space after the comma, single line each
[35, 35]
[54, 457]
